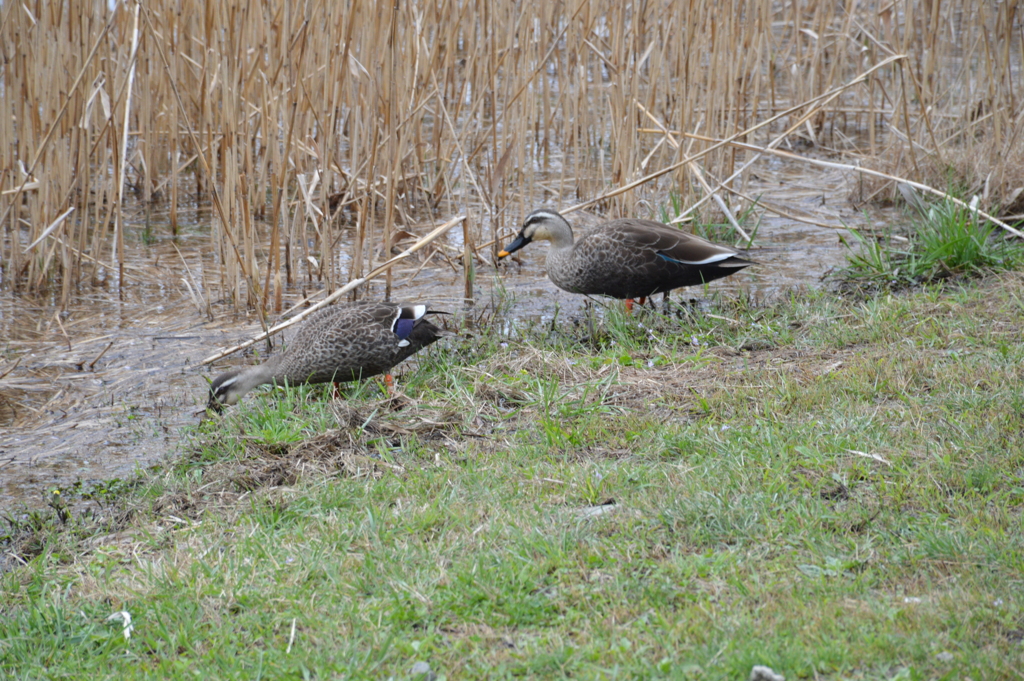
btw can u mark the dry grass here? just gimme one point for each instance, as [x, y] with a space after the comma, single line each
[322, 134]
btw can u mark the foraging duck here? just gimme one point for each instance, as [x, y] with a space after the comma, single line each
[629, 258]
[340, 343]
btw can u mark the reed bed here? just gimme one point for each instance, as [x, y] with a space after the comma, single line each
[323, 133]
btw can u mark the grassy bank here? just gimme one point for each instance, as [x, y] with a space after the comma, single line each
[828, 486]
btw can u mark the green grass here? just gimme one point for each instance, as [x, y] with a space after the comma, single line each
[947, 241]
[828, 486]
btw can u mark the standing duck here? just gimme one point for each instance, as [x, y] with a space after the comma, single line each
[340, 343]
[629, 258]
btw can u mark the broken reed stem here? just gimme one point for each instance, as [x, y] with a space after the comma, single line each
[874, 173]
[13, 366]
[49, 230]
[727, 182]
[863, 171]
[724, 142]
[119, 215]
[468, 270]
[92, 364]
[197, 291]
[56, 318]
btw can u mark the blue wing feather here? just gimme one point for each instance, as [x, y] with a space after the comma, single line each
[403, 327]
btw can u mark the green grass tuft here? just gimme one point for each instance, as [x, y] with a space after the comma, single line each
[949, 241]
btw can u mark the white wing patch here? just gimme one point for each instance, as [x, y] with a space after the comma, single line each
[718, 257]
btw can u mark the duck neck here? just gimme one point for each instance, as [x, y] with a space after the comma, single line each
[560, 235]
[255, 376]
[561, 249]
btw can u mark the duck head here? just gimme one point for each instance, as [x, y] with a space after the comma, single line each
[226, 390]
[541, 225]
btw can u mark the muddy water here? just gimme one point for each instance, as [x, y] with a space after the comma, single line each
[110, 386]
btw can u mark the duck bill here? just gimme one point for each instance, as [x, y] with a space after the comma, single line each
[215, 405]
[514, 246]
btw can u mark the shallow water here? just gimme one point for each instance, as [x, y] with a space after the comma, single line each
[109, 386]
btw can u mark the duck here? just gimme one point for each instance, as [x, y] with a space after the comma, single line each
[343, 342]
[629, 258]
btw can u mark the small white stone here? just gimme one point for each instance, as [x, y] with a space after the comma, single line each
[422, 672]
[762, 673]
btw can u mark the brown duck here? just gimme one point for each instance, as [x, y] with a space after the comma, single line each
[340, 343]
[629, 258]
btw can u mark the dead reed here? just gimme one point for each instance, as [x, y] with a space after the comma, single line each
[323, 133]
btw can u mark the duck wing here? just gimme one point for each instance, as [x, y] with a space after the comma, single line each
[343, 342]
[636, 258]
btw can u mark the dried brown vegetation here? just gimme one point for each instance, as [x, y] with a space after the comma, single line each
[323, 133]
